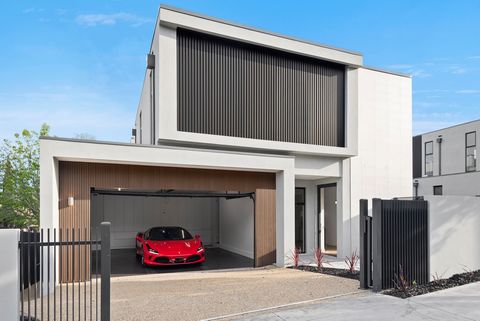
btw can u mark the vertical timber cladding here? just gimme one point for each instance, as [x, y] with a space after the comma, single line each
[77, 178]
[237, 89]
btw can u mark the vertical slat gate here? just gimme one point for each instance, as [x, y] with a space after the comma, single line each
[42, 294]
[394, 241]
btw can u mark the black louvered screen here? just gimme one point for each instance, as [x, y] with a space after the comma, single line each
[394, 238]
[232, 88]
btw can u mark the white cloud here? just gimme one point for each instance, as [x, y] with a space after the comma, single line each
[457, 70]
[96, 19]
[468, 91]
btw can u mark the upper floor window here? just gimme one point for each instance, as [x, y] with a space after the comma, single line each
[470, 152]
[429, 158]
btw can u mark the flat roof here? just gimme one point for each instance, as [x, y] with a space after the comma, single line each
[103, 142]
[449, 127]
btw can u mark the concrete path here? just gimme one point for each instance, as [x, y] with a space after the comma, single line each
[461, 303]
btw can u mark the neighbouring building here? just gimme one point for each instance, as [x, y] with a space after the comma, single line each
[227, 111]
[445, 161]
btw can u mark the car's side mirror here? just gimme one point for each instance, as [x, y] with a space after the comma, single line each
[139, 235]
[197, 236]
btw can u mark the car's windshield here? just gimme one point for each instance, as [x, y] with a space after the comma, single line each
[168, 233]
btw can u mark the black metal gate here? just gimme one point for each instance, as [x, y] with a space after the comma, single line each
[394, 243]
[65, 275]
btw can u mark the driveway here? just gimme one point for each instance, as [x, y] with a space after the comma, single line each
[460, 303]
[201, 295]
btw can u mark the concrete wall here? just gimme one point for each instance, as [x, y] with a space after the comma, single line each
[330, 210]
[383, 167]
[453, 148]
[132, 214]
[236, 226]
[9, 274]
[454, 234]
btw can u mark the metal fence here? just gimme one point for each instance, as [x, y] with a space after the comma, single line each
[65, 274]
[394, 243]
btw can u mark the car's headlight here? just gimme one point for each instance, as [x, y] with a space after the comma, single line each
[152, 251]
[200, 249]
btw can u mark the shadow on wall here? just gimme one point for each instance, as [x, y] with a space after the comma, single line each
[454, 234]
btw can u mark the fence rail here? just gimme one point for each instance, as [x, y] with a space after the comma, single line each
[59, 274]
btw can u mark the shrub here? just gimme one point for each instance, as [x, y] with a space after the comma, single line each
[352, 261]
[319, 257]
[295, 256]
[400, 281]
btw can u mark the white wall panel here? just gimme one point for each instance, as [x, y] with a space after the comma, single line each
[237, 225]
[132, 214]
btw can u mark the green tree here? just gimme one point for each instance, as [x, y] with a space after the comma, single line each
[20, 179]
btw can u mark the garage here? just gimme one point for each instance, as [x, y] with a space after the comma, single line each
[224, 221]
[232, 211]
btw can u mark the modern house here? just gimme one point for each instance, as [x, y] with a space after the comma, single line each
[259, 142]
[445, 161]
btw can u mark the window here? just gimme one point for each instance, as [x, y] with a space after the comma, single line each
[429, 158]
[300, 218]
[470, 152]
[438, 190]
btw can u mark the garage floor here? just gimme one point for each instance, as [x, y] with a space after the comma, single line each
[125, 263]
[201, 295]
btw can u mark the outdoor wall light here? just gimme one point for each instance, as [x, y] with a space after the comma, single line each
[70, 201]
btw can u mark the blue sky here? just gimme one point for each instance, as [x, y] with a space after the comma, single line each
[79, 65]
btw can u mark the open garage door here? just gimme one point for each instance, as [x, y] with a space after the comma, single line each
[223, 220]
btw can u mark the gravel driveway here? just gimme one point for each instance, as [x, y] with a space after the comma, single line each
[201, 295]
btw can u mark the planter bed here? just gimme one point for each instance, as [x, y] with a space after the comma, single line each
[437, 285]
[344, 273]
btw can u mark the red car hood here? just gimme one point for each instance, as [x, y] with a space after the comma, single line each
[186, 247]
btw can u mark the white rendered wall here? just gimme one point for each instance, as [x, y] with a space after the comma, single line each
[9, 274]
[383, 167]
[236, 226]
[132, 214]
[454, 236]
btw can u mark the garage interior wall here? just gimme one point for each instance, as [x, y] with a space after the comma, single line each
[236, 225]
[129, 215]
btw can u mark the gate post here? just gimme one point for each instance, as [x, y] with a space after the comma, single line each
[105, 266]
[364, 260]
[377, 244]
[10, 272]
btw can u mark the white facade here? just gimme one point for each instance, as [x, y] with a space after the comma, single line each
[454, 237]
[450, 155]
[375, 162]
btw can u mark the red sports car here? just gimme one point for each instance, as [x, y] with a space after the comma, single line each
[169, 245]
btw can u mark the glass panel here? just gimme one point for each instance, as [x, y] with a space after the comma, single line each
[471, 161]
[428, 164]
[300, 219]
[429, 148]
[471, 141]
[299, 195]
[300, 227]
[438, 190]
